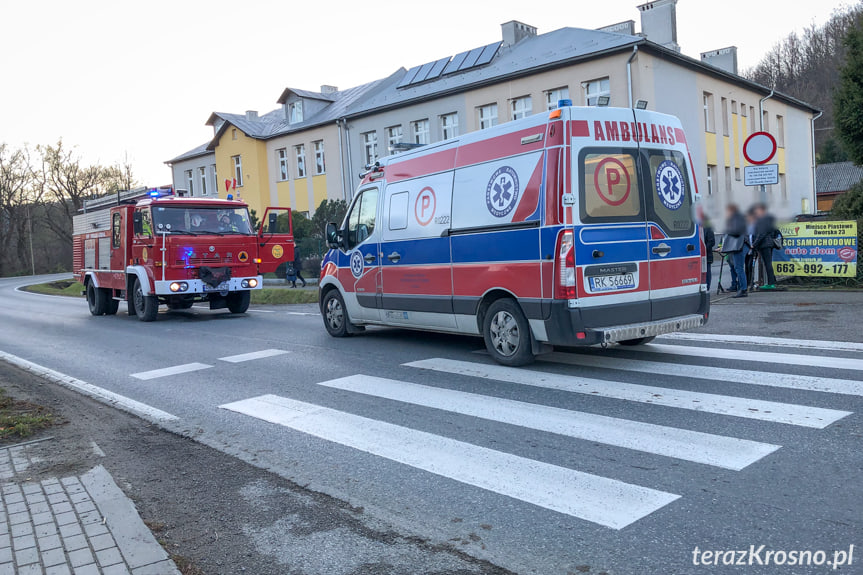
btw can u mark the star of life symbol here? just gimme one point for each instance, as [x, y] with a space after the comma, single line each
[669, 185]
[501, 194]
[357, 264]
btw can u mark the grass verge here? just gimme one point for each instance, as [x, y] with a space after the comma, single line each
[280, 296]
[63, 287]
[21, 418]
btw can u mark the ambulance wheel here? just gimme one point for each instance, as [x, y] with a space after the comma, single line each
[111, 305]
[96, 300]
[335, 315]
[507, 333]
[638, 341]
[146, 306]
[238, 302]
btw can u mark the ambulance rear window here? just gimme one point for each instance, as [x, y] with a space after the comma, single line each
[609, 187]
[669, 189]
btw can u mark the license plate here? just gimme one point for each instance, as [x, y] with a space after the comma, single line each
[221, 287]
[612, 283]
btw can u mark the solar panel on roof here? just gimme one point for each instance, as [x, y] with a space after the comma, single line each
[470, 59]
[487, 54]
[454, 64]
[423, 73]
[409, 76]
[437, 69]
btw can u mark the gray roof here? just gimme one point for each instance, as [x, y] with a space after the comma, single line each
[838, 177]
[193, 153]
[306, 94]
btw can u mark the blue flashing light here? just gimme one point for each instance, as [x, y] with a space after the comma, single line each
[154, 193]
[564, 103]
[230, 196]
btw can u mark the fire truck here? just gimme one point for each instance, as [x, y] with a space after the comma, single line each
[150, 247]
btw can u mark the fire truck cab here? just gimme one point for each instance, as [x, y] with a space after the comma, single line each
[567, 228]
[152, 247]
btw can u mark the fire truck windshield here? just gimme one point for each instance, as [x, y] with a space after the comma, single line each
[200, 220]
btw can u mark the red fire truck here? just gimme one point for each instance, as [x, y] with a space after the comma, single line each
[149, 247]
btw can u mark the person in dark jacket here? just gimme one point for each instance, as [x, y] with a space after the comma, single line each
[298, 268]
[762, 242]
[734, 244]
[709, 242]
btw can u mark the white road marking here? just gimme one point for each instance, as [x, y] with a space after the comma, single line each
[790, 413]
[771, 341]
[103, 395]
[300, 313]
[747, 355]
[790, 381]
[174, 370]
[601, 500]
[261, 310]
[253, 355]
[717, 450]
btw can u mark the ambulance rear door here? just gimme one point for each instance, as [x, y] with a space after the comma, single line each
[611, 248]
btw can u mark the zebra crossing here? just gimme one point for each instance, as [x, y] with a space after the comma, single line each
[606, 501]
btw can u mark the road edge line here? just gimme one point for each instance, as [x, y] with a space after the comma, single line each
[100, 394]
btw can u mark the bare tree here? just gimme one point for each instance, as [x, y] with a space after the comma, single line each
[16, 196]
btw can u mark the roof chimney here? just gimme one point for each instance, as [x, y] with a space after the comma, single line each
[514, 32]
[252, 115]
[659, 23]
[724, 58]
[326, 90]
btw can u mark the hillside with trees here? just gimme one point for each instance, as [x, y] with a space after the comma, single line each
[807, 66]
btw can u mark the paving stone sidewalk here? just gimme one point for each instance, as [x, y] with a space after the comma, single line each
[76, 525]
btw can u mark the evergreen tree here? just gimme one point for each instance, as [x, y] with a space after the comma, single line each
[848, 99]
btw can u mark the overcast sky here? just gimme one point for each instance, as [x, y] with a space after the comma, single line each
[115, 77]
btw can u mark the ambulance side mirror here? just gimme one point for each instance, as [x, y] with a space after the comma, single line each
[137, 224]
[333, 236]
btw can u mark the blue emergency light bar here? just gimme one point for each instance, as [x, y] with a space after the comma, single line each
[564, 103]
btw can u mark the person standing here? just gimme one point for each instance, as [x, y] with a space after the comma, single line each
[709, 242]
[298, 268]
[763, 243]
[734, 244]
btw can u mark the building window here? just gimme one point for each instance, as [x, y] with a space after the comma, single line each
[709, 180]
[238, 169]
[421, 131]
[449, 125]
[190, 184]
[320, 160]
[233, 133]
[708, 113]
[283, 163]
[724, 109]
[487, 116]
[215, 178]
[202, 176]
[395, 135]
[780, 131]
[300, 153]
[295, 112]
[737, 174]
[552, 97]
[520, 107]
[742, 109]
[734, 106]
[370, 147]
[594, 89]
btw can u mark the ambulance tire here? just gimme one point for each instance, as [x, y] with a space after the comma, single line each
[507, 333]
[335, 315]
[146, 306]
[638, 341]
[238, 302]
[96, 300]
[112, 305]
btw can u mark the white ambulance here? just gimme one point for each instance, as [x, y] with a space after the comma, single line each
[567, 228]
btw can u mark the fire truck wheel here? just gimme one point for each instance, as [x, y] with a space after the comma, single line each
[335, 315]
[238, 302]
[96, 300]
[111, 304]
[638, 340]
[507, 333]
[146, 306]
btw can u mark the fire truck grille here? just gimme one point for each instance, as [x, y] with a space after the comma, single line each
[203, 261]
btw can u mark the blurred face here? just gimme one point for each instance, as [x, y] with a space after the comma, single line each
[197, 221]
[225, 219]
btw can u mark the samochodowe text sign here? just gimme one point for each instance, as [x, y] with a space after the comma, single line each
[822, 249]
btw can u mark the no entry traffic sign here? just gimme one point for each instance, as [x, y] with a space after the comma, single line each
[759, 148]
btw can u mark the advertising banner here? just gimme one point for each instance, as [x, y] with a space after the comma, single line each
[819, 249]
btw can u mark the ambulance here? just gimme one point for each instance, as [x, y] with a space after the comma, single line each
[573, 227]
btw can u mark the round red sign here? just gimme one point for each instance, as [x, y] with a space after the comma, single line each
[759, 148]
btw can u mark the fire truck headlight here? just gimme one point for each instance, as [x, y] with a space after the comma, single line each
[251, 283]
[179, 286]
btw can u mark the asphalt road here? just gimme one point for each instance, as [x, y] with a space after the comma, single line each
[617, 460]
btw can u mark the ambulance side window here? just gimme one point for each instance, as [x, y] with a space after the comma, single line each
[398, 219]
[609, 186]
[361, 221]
[668, 185]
